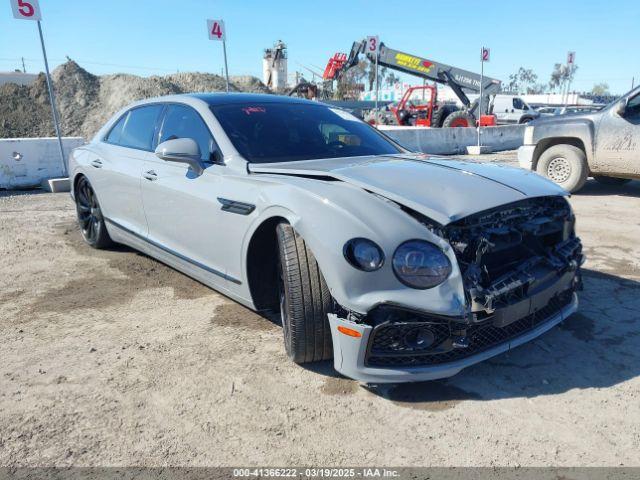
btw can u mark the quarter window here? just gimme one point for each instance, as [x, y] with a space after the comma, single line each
[181, 121]
[138, 127]
[116, 131]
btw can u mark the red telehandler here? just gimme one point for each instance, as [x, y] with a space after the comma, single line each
[429, 113]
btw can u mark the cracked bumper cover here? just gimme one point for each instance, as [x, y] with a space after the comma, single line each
[350, 352]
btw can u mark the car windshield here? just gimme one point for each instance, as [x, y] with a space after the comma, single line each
[286, 132]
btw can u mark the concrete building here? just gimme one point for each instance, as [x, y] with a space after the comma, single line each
[274, 66]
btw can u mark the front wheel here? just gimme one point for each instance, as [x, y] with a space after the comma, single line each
[566, 165]
[90, 219]
[305, 300]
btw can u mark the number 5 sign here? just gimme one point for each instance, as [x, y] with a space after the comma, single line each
[26, 9]
[216, 30]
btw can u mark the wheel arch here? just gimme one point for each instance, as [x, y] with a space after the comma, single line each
[546, 143]
[261, 261]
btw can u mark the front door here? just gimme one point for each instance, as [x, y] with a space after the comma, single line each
[181, 207]
[617, 144]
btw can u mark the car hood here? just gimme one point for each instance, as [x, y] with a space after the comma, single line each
[443, 190]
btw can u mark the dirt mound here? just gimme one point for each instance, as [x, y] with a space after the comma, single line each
[86, 101]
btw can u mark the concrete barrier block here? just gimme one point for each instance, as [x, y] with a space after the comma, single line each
[26, 162]
[56, 185]
[449, 141]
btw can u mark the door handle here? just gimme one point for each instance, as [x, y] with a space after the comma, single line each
[150, 175]
[96, 163]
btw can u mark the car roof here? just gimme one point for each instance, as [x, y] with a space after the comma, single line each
[246, 98]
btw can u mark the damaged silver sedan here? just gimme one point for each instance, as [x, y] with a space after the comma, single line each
[399, 266]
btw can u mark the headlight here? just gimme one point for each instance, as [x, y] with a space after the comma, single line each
[363, 254]
[528, 135]
[420, 264]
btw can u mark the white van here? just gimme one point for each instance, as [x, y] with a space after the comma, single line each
[512, 109]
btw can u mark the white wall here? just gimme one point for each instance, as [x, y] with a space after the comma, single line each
[39, 160]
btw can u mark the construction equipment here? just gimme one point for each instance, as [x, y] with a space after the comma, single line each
[431, 113]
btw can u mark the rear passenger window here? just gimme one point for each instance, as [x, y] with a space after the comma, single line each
[139, 126]
[181, 121]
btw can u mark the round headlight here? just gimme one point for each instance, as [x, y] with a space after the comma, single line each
[363, 254]
[420, 264]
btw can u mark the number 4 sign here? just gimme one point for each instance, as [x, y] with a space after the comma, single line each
[216, 30]
[26, 9]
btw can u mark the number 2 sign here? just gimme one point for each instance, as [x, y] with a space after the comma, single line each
[26, 9]
[485, 55]
[216, 30]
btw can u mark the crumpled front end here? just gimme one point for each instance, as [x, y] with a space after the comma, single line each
[520, 265]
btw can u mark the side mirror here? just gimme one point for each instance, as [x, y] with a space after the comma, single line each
[621, 108]
[181, 150]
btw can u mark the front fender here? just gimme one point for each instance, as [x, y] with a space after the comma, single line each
[328, 214]
[548, 133]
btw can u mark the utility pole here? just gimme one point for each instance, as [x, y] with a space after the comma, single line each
[54, 110]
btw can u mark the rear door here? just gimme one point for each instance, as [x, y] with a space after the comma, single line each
[125, 149]
[618, 141]
[182, 210]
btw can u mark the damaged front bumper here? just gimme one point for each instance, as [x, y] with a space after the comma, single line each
[455, 345]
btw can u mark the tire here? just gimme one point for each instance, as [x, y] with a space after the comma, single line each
[525, 120]
[460, 118]
[92, 225]
[440, 114]
[305, 300]
[613, 181]
[564, 164]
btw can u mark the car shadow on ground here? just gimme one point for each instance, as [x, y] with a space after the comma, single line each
[594, 188]
[18, 193]
[597, 347]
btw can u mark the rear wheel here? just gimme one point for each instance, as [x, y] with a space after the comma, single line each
[611, 180]
[90, 219]
[305, 300]
[461, 118]
[564, 164]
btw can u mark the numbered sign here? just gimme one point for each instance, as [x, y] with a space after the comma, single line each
[485, 55]
[216, 30]
[571, 58]
[373, 45]
[26, 9]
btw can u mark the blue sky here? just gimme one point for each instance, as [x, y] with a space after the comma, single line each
[161, 36]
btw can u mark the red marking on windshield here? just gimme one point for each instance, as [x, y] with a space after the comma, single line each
[250, 110]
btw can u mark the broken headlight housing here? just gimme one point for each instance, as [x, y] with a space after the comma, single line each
[363, 254]
[420, 264]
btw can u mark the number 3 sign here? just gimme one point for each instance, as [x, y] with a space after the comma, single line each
[26, 9]
[373, 45]
[216, 30]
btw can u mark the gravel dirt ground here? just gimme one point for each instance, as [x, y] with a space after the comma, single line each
[109, 358]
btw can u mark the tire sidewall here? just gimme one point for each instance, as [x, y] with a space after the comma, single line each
[564, 156]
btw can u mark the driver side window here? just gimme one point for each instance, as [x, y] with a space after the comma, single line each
[633, 107]
[181, 121]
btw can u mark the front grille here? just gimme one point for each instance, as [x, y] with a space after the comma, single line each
[481, 338]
